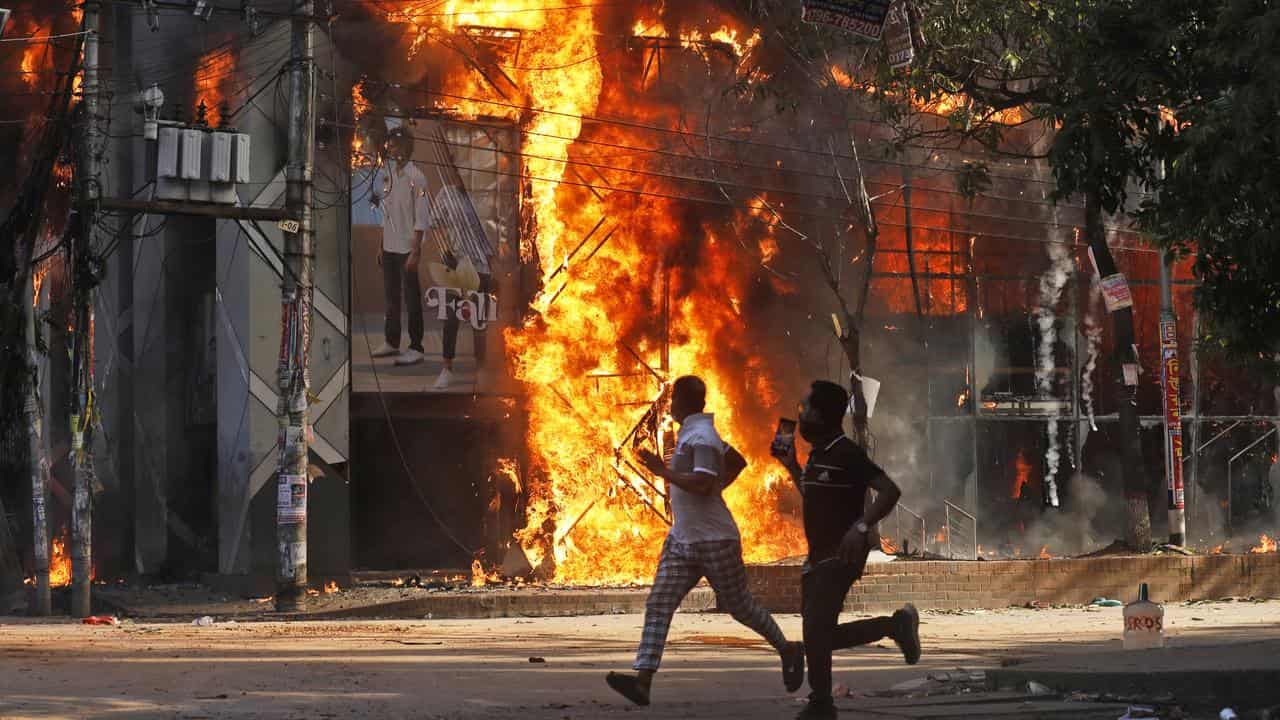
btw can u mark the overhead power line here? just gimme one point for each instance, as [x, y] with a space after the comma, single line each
[754, 188]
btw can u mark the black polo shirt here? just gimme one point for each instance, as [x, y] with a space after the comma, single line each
[834, 484]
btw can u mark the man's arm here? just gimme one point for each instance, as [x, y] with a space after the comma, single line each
[787, 456]
[696, 482]
[887, 495]
[415, 253]
[421, 218]
[704, 479]
[854, 544]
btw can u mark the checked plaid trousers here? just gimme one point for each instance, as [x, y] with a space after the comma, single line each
[680, 568]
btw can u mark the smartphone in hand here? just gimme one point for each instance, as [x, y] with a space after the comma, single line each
[784, 439]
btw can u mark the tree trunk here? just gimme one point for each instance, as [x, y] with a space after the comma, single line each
[1138, 517]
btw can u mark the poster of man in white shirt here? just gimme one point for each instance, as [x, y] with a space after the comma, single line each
[440, 215]
[404, 220]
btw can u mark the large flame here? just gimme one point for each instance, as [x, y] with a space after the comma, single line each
[214, 78]
[651, 295]
[1022, 470]
[1266, 544]
[59, 562]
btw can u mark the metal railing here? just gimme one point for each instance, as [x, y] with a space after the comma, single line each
[898, 511]
[1232, 462]
[960, 530]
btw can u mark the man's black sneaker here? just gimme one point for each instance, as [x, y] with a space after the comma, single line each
[824, 709]
[906, 632]
[793, 666]
[629, 687]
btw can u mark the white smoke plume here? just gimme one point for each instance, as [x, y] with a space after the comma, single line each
[1052, 283]
[1093, 343]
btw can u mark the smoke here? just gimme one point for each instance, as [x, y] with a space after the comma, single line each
[1084, 524]
[1052, 283]
[1093, 344]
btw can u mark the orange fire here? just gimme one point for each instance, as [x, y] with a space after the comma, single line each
[330, 587]
[59, 563]
[887, 546]
[592, 352]
[1266, 544]
[38, 274]
[214, 79]
[360, 106]
[1044, 553]
[1217, 550]
[481, 577]
[31, 60]
[1023, 474]
[944, 104]
[941, 537]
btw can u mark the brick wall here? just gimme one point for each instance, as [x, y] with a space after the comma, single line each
[994, 584]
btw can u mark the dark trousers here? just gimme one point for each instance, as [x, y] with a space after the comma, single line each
[822, 590]
[452, 323]
[401, 286]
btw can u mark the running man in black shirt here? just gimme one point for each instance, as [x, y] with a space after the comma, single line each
[837, 523]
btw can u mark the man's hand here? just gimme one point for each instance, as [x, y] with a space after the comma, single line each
[652, 462]
[412, 261]
[853, 546]
[784, 451]
[379, 258]
[786, 454]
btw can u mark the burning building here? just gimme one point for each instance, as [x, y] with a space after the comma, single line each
[612, 200]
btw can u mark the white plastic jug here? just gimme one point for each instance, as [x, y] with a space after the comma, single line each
[1143, 623]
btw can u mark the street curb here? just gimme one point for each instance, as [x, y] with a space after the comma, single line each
[463, 606]
[505, 604]
[1241, 689]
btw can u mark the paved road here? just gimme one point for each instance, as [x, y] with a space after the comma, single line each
[475, 669]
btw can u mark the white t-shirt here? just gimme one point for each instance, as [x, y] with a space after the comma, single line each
[404, 206]
[699, 518]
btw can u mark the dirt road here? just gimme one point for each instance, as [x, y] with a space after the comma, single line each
[471, 669]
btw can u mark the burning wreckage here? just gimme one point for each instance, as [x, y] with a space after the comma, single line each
[612, 198]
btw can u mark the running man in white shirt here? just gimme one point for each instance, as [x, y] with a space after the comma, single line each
[703, 542]
[404, 220]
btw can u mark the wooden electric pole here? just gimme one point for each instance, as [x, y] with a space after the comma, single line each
[295, 331]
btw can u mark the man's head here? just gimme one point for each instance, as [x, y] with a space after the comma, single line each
[688, 396]
[399, 145]
[822, 413]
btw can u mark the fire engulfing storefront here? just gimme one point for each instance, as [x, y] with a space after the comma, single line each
[645, 215]
[531, 217]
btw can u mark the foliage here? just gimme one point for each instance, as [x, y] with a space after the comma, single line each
[1220, 199]
[1106, 77]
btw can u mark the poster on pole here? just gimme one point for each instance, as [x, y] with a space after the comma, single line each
[899, 38]
[291, 499]
[1169, 380]
[1115, 293]
[864, 18]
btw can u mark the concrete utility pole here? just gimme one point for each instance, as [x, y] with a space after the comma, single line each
[295, 331]
[89, 191]
[1169, 384]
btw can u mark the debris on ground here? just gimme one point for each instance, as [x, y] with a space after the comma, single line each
[1106, 602]
[1140, 712]
[1228, 714]
[202, 621]
[1035, 689]
[101, 620]
[536, 659]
